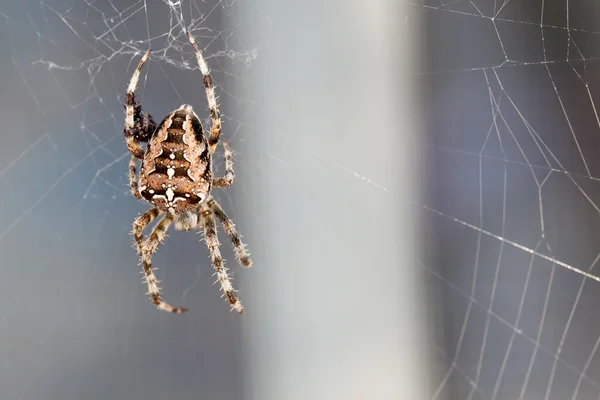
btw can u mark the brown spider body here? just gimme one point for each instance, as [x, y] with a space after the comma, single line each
[176, 171]
[176, 177]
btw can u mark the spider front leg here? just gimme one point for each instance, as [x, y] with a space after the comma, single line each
[209, 87]
[147, 249]
[212, 241]
[227, 180]
[139, 126]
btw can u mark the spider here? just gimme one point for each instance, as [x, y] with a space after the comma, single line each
[176, 177]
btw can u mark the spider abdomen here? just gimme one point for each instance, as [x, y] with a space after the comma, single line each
[176, 171]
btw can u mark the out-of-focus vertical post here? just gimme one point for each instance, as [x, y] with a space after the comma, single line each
[335, 308]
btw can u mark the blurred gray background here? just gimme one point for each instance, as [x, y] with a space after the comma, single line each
[325, 299]
[397, 165]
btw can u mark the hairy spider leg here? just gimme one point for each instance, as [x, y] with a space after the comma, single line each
[147, 249]
[227, 180]
[212, 241]
[139, 224]
[139, 126]
[215, 130]
[132, 135]
[241, 254]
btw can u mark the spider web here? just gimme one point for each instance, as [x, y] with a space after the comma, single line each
[513, 218]
[511, 211]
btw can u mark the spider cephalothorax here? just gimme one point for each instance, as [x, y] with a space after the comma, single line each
[176, 177]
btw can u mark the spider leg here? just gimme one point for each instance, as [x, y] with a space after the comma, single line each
[215, 130]
[212, 241]
[139, 125]
[156, 237]
[227, 180]
[140, 224]
[133, 183]
[241, 254]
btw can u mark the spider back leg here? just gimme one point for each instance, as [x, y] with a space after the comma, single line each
[212, 241]
[147, 249]
[139, 224]
[241, 254]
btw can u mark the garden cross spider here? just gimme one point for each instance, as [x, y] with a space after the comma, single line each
[176, 177]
